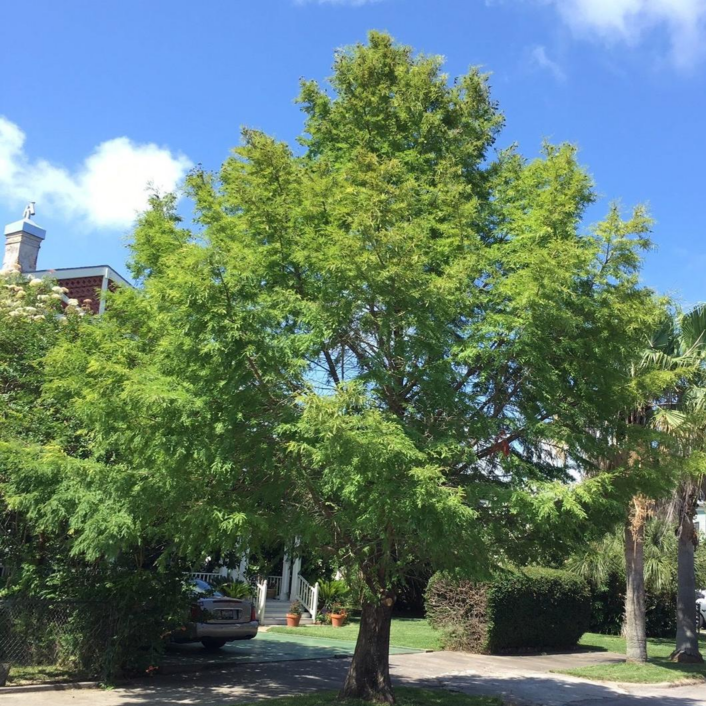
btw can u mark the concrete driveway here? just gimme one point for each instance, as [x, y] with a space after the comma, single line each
[266, 647]
[521, 680]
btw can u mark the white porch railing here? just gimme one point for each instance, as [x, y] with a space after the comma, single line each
[275, 582]
[307, 595]
[261, 600]
[207, 576]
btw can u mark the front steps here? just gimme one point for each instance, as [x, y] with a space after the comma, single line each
[276, 611]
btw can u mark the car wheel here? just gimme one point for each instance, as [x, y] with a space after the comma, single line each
[211, 643]
[701, 621]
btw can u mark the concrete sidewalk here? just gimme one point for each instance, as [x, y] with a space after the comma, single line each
[528, 681]
[520, 680]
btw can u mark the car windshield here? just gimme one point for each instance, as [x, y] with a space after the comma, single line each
[202, 588]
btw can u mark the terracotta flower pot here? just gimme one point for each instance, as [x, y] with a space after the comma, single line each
[337, 619]
[293, 620]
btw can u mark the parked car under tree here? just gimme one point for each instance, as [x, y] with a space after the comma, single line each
[217, 619]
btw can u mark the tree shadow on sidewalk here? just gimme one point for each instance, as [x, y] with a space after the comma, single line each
[552, 691]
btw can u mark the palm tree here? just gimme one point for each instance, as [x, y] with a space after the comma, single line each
[677, 350]
[681, 346]
[687, 645]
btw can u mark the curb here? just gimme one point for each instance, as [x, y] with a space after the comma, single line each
[631, 684]
[56, 686]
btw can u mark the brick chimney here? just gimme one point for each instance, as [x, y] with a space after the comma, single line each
[22, 242]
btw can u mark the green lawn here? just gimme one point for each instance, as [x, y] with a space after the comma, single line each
[32, 675]
[405, 697]
[405, 632]
[658, 668]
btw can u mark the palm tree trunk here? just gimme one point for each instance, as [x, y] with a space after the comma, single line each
[635, 622]
[687, 647]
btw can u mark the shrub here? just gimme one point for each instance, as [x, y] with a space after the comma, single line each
[333, 591]
[608, 607]
[236, 589]
[532, 609]
[103, 621]
[661, 613]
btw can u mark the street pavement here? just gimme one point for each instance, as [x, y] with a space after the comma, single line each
[522, 681]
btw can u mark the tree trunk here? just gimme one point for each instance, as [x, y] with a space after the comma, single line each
[635, 627]
[368, 677]
[687, 647]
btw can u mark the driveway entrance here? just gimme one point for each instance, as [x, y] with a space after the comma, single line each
[266, 647]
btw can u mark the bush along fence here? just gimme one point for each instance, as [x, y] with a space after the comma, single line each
[49, 638]
[528, 610]
[52, 640]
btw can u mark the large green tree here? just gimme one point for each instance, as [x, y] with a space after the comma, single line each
[384, 341]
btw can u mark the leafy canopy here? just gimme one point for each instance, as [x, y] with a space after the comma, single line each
[378, 341]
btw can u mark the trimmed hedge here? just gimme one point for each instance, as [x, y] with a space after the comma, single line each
[531, 609]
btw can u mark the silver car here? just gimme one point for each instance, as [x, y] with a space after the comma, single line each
[701, 609]
[217, 619]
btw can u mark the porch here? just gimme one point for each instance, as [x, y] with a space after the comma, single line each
[274, 593]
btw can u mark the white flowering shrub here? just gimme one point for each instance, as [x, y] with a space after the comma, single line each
[30, 298]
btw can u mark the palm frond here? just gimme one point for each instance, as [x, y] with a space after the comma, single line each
[692, 332]
[668, 420]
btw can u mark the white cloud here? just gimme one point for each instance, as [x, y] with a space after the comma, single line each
[106, 191]
[630, 21]
[539, 58]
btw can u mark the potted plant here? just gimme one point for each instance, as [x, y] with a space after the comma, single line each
[338, 615]
[294, 615]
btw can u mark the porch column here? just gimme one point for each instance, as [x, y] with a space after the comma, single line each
[243, 567]
[295, 578]
[286, 568]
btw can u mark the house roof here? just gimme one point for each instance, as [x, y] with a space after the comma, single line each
[85, 284]
[61, 273]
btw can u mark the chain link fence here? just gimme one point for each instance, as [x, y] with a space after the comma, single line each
[77, 637]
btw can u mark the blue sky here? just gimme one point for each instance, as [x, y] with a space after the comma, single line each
[96, 99]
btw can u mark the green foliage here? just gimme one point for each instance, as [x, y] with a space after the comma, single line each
[537, 608]
[602, 564]
[33, 320]
[333, 591]
[380, 338]
[532, 609]
[392, 337]
[103, 621]
[296, 608]
[236, 589]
